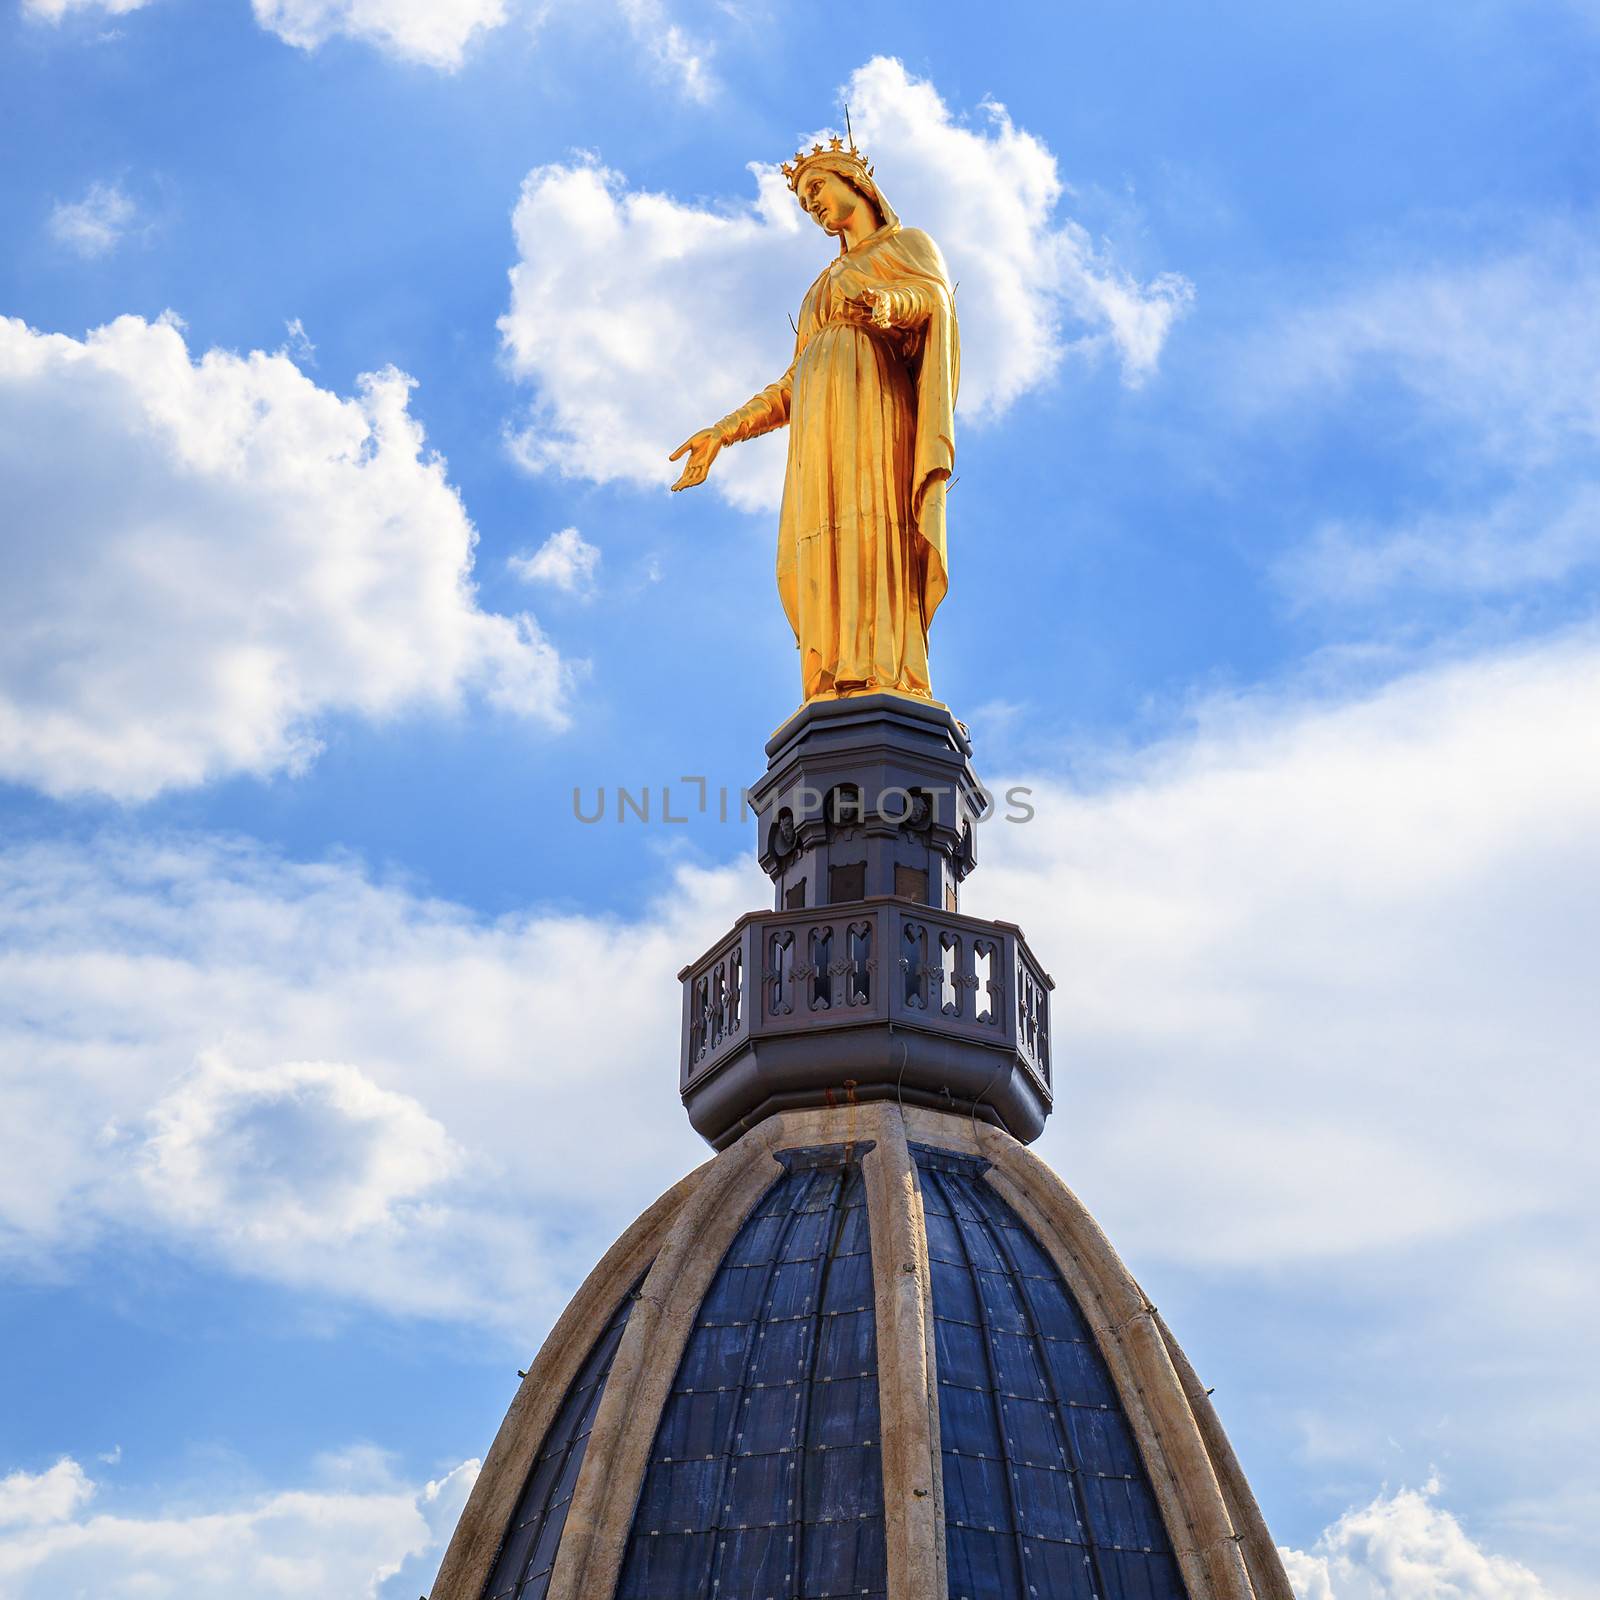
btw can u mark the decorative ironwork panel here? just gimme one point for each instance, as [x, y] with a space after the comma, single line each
[733, 993]
[1045, 1493]
[716, 1002]
[780, 974]
[860, 962]
[522, 1569]
[959, 974]
[699, 1018]
[988, 985]
[1033, 1017]
[820, 964]
[914, 964]
[716, 1007]
[765, 1478]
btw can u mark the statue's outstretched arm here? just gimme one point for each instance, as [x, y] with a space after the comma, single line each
[760, 414]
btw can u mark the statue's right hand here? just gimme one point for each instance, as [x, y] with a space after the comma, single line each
[701, 448]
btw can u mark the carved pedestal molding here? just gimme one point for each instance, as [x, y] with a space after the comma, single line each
[868, 796]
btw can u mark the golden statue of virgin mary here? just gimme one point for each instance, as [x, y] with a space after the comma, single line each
[870, 403]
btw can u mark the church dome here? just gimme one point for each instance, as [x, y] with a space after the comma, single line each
[866, 1351]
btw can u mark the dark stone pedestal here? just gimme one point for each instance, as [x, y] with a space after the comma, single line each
[866, 982]
[869, 796]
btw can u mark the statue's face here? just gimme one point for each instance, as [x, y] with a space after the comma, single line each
[829, 199]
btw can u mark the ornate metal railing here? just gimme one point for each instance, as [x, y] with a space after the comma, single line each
[884, 961]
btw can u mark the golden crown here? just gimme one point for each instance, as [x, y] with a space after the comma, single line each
[834, 147]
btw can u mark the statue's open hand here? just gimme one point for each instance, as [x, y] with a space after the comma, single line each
[701, 448]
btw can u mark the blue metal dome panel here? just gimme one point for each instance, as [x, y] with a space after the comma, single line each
[765, 1477]
[522, 1569]
[1045, 1493]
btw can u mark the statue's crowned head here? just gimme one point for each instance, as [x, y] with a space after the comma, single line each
[844, 161]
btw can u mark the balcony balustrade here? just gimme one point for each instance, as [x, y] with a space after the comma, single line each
[940, 1008]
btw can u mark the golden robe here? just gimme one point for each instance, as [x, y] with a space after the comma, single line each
[862, 562]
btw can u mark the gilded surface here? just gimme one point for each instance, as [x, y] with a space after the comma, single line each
[869, 400]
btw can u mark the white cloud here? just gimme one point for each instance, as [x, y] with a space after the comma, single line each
[638, 317]
[1326, 970]
[299, 347]
[1507, 345]
[433, 32]
[1495, 361]
[96, 224]
[205, 557]
[438, 33]
[33, 1499]
[440, 1503]
[685, 61]
[300, 1153]
[1403, 1546]
[1034, 285]
[368, 1539]
[566, 560]
[1528, 539]
[331, 1083]
[55, 10]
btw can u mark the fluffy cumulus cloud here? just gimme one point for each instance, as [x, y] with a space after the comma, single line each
[1405, 1546]
[207, 556]
[55, 10]
[439, 33]
[354, 1533]
[300, 1074]
[1507, 343]
[1533, 538]
[1325, 967]
[301, 1153]
[33, 1499]
[434, 32]
[1494, 359]
[566, 560]
[678, 56]
[637, 317]
[95, 225]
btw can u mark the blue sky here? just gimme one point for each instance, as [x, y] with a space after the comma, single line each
[347, 343]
